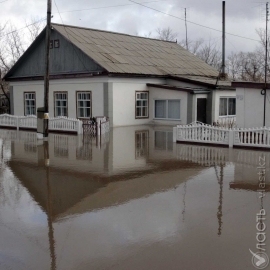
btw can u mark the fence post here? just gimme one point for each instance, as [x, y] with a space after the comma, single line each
[79, 127]
[174, 134]
[18, 122]
[231, 138]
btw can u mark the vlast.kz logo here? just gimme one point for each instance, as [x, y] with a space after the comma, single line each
[260, 260]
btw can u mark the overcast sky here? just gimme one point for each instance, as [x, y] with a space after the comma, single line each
[242, 17]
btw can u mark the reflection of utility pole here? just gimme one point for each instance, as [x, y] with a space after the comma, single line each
[219, 212]
[184, 201]
[49, 206]
[265, 67]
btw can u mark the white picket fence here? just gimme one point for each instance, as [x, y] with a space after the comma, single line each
[65, 124]
[27, 122]
[238, 137]
[30, 122]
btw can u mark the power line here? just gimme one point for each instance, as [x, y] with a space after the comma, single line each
[192, 22]
[123, 5]
[6, 34]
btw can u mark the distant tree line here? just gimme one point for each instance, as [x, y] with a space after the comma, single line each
[13, 43]
[244, 66]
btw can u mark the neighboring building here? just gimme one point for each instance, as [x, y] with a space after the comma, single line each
[132, 80]
[250, 104]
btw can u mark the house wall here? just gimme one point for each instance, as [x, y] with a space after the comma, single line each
[250, 108]
[96, 86]
[124, 100]
[113, 97]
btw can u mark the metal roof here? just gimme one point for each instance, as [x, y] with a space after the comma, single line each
[126, 54]
[206, 80]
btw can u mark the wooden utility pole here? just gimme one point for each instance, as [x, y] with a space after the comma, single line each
[47, 63]
[223, 40]
[186, 28]
[265, 67]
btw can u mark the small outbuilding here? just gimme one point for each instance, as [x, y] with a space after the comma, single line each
[250, 104]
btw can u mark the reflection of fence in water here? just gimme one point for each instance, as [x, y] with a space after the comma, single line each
[202, 155]
[252, 158]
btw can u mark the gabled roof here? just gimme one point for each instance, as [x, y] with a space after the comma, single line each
[126, 54]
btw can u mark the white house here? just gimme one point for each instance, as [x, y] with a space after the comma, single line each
[132, 80]
[250, 105]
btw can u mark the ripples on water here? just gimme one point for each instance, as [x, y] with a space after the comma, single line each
[132, 200]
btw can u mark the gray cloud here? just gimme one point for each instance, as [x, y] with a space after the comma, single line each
[242, 17]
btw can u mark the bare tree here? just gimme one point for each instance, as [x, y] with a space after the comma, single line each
[13, 44]
[210, 54]
[166, 34]
[193, 45]
[34, 27]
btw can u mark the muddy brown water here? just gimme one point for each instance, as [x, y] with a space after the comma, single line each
[132, 200]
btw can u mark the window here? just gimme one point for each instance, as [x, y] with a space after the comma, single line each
[167, 109]
[141, 104]
[227, 106]
[83, 104]
[30, 103]
[60, 104]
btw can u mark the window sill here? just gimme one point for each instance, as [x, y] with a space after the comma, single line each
[167, 119]
[142, 117]
[224, 116]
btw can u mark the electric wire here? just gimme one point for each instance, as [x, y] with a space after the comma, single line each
[173, 16]
[6, 34]
[123, 5]
[141, 4]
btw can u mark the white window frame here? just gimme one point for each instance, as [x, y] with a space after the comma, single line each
[167, 111]
[227, 115]
[27, 106]
[62, 107]
[141, 106]
[85, 107]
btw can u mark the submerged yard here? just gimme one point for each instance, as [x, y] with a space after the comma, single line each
[131, 200]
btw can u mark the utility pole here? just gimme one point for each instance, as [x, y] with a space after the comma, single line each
[47, 63]
[223, 40]
[186, 28]
[265, 67]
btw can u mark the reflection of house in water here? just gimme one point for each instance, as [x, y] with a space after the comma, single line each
[134, 173]
[86, 174]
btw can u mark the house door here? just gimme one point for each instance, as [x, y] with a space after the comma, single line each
[201, 110]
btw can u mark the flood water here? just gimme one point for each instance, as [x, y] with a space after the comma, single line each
[132, 200]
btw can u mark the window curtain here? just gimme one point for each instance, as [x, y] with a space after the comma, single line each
[232, 106]
[174, 109]
[223, 106]
[160, 109]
